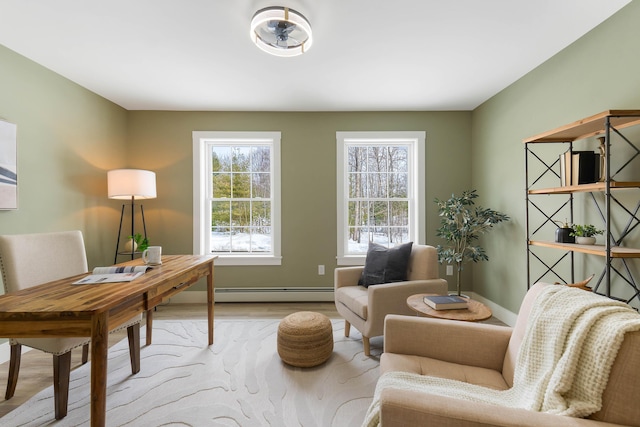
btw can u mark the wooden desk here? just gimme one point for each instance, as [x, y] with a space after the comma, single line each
[61, 309]
[474, 312]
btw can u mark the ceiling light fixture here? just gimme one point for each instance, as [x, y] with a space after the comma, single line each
[281, 31]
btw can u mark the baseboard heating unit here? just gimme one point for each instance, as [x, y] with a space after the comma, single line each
[296, 294]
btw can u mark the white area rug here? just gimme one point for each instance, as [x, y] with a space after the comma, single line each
[238, 381]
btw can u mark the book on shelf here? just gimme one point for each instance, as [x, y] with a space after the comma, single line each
[113, 274]
[563, 171]
[579, 167]
[584, 167]
[445, 302]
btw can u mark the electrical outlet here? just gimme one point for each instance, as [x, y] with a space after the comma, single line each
[449, 270]
[321, 270]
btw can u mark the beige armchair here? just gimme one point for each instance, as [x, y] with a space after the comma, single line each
[486, 355]
[366, 308]
[28, 260]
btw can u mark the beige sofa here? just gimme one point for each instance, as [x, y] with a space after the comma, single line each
[485, 354]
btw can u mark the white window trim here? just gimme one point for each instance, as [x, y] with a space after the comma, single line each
[201, 216]
[417, 203]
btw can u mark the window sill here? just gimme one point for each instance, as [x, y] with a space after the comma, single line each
[247, 260]
[351, 260]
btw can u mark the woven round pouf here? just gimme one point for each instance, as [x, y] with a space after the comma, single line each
[305, 339]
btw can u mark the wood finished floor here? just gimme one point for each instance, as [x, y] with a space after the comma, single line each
[36, 369]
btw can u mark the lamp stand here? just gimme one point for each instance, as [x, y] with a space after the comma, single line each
[144, 228]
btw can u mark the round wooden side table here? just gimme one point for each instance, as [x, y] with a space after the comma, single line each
[475, 311]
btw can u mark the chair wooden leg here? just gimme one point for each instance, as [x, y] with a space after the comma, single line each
[85, 353]
[367, 347]
[133, 332]
[61, 372]
[347, 328]
[14, 369]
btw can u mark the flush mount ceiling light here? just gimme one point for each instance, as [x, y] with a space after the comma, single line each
[281, 31]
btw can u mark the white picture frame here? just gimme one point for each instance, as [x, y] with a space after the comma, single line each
[8, 165]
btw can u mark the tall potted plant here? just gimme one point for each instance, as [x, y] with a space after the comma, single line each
[461, 224]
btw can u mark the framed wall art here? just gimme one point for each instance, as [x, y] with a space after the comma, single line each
[8, 166]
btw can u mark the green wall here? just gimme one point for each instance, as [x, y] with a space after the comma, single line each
[598, 72]
[67, 138]
[162, 141]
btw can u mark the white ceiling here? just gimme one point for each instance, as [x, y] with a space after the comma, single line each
[367, 55]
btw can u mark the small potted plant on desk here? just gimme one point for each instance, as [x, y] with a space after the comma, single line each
[585, 234]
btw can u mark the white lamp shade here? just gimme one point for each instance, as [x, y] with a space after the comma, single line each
[128, 183]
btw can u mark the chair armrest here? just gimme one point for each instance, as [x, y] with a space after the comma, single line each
[347, 276]
[405, 408]
[392, 297]
[465, 343]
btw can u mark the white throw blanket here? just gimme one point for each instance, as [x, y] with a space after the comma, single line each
[561, 367]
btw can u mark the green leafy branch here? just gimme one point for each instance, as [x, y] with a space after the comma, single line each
[461, 224]
[587, 230]
[141, 242]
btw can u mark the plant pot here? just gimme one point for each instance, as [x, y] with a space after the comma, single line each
[130, 246]
[585, 240]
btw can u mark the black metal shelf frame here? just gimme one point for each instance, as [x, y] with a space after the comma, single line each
[613, 266]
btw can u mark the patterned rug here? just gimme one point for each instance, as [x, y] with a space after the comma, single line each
[238, 381]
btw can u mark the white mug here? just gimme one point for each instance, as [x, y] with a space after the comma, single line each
[152, 255]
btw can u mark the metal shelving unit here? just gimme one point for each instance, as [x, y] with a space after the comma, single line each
[617, 256]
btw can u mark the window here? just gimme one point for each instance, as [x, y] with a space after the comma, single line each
[381, 185]
[237, 197]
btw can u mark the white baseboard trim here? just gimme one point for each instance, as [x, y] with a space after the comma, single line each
[499, 312]
[258, 295]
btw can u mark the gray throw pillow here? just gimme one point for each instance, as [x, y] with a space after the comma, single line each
[384, 265]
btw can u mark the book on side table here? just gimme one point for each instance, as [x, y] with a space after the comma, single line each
[445, 302]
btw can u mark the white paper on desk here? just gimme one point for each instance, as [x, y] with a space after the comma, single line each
[121, 269]
[108, 278]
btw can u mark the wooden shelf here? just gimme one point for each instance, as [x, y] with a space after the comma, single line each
[600, 250]
[606, 124]
[591, 126]
[596, 186]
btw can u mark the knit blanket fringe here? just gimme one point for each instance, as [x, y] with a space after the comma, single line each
[563, 364]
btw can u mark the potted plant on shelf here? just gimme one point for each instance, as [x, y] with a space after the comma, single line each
[461, 224]
[585, 234]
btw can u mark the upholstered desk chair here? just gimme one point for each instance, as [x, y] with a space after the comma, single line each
[32, 259]
[366, 307]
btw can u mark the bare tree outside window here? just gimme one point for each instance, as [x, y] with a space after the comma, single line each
[378, 199]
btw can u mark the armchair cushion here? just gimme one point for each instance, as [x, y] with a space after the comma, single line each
[356, 299]
[442, 369]
[385, 265]
[405, 408]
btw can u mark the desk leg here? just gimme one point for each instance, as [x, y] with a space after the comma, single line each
[99, 349]
[210, 302]
[149, 317]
